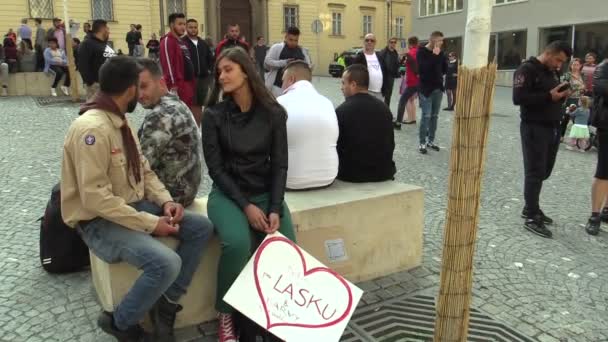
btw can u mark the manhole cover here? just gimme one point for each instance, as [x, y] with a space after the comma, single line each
[413, 319]
[48, 101]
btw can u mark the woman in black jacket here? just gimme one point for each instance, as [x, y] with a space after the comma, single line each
[245, 147]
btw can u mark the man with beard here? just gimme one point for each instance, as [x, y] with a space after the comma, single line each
[202, 61]
[169, 137]
[92, 53]
[279, 55]
[176, 61]
[233, 39]
[112, 196]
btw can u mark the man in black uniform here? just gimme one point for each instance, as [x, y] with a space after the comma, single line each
[536, 89]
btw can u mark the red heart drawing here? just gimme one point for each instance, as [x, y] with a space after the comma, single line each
[307, 272]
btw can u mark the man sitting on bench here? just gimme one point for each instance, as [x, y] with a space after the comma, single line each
[312, 130]
[109, 193]
[170, 139]
[366, 141]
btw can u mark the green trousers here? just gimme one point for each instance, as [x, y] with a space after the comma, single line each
[238, 239]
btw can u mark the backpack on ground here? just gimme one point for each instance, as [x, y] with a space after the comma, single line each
[61, 247]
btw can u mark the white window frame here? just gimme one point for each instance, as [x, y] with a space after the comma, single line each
[173, 10]
[508, 2]
[110, 5]
[399, 27]
[368, 24]
[427, 5]
[336, 23]
[291, 19]
[49, 3]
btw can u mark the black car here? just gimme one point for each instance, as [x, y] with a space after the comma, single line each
[336, 69]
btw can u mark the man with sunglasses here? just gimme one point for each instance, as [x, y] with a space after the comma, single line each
[391, 61]
[375, 67]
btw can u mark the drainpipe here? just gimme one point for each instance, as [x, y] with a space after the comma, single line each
[162, 17]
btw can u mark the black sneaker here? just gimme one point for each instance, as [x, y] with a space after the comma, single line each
[432, 146]
[536, 226]
[134, 333]
[162, 316]
[604, 215]
[397, 126]
[527, 215]
[593, 226]
[422, 149]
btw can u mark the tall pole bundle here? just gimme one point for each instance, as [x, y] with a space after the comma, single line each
[474, 98]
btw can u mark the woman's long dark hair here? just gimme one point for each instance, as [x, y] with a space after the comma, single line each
[260, 95]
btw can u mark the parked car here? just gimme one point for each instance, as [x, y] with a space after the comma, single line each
[336, 68]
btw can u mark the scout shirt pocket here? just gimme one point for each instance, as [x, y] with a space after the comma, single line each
[118, 175]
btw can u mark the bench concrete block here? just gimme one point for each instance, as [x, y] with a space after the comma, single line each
[35, 84]
[363, 231]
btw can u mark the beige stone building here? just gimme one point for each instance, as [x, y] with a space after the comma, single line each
[341, 24]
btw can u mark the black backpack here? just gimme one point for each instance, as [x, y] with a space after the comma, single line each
[61, 248]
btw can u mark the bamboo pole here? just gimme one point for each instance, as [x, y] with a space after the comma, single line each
[474, 99]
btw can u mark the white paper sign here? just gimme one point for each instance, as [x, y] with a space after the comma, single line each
[293, 295]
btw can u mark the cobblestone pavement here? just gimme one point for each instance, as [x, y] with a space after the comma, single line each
[550, 290]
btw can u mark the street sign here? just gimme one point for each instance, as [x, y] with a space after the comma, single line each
[317, 26]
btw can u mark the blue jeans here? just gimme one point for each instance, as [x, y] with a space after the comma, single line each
[430, 111]
[164, 271]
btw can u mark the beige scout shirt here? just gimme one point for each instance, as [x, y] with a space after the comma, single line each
[94, 179]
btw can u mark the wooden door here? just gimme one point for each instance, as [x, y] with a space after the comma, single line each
[236, 12]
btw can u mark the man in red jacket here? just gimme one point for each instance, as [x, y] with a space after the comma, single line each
[233, 39]
[178, 70]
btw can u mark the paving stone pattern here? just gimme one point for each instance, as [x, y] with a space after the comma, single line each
[549, 290]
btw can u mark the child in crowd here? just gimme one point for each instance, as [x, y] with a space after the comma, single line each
[580, 129]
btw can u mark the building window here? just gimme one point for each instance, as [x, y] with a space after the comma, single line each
[509, 48]
[41, 9]
[336, 24]
[587, 38]
[433, 7]
[367, 24]
[290, 17]
[176, 6]
[501, 2]
[102, 9]
[399, 23]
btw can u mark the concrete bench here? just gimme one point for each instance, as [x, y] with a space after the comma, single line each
[34, 84]
[362, 231]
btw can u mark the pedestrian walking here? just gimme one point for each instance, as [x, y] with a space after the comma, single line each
[391, 63]
[232, 39]
[279, 55]
[93, 53]
[432, 66]
[153, 47]
[131, 39]
[176, 62]
[412, 85]
[25, 32]
[451, 80]
[57, 32]
[599, 119]
[588, 71]
[202, 61]
[376, 67]
[40, 46]
[259, 54]
[576, 80]
[138, 49]
[540, 95]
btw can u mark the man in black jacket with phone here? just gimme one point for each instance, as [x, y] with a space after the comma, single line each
[92, 53]
[202, 60]
[540, 95]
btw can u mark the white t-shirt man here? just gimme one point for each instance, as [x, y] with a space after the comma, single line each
[312, 137]
[375, 73]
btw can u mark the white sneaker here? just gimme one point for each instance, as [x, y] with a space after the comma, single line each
[65, 90]
[53, 92]
[4, 92]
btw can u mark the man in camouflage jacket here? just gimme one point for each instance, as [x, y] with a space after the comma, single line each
[169, 137]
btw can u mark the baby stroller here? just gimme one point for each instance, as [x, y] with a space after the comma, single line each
[587, 144]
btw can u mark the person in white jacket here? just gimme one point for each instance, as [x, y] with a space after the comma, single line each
[279, 55]
[312, 131]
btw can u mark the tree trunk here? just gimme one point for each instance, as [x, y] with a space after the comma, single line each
[474, 99]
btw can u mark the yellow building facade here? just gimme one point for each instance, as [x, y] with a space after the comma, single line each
[341, 24]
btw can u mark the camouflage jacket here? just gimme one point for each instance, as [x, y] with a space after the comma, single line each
[171, 142]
